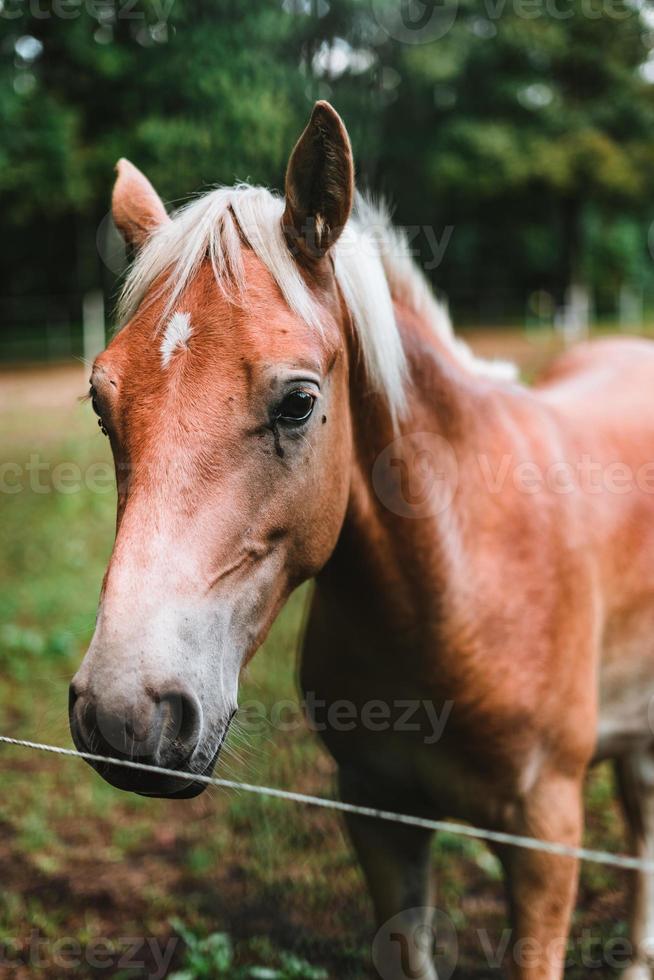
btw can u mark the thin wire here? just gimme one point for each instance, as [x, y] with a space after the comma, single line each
[493, 836]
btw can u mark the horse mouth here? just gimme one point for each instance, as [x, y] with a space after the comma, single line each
[177, 788]
[160, 785]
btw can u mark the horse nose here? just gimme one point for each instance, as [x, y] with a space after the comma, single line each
[155, 728]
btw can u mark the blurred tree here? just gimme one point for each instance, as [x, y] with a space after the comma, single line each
[527, 127]
[210, 94]
[524, 116]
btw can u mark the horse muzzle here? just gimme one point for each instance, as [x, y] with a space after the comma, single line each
[154, 729]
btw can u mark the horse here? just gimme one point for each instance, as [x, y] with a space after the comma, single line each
[286, 400]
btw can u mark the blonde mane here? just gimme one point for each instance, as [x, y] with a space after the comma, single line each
[372, 262]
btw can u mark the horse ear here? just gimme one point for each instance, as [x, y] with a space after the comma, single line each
[137, 208]
[319, 184]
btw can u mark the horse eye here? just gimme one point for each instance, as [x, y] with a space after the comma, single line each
[94, 405]
[296, 407]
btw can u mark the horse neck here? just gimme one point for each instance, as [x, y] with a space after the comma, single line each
[394, 560]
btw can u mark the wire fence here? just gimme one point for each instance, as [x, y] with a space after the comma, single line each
[490, 836]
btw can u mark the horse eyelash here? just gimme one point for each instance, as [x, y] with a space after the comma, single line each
[88, 397]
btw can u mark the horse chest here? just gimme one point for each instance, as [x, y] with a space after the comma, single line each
[416, 748]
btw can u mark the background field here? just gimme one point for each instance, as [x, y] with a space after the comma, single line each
[81, 860]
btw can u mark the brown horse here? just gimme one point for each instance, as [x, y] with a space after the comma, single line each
[287, 401]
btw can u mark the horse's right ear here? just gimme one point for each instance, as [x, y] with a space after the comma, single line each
[319, 184]
[136, 207]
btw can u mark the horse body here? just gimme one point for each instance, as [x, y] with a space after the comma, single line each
[601, 393]
[480, 629]
[529, 608]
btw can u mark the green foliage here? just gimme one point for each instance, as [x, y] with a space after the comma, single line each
[214, 956]
[196, 90]
[205, 958]
[515, 125]
[522, 124]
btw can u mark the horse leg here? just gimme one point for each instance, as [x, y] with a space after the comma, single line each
[395, 862]
[635, 775]
[542, 887]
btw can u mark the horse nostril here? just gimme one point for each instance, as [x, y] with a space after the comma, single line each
[73, 695]
[81, 719]
[163, 729]
[182, 720]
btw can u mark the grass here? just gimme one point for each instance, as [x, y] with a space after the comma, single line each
[84, 862]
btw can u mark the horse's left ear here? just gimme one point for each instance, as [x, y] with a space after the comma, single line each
[319, 184]
[136, 207]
